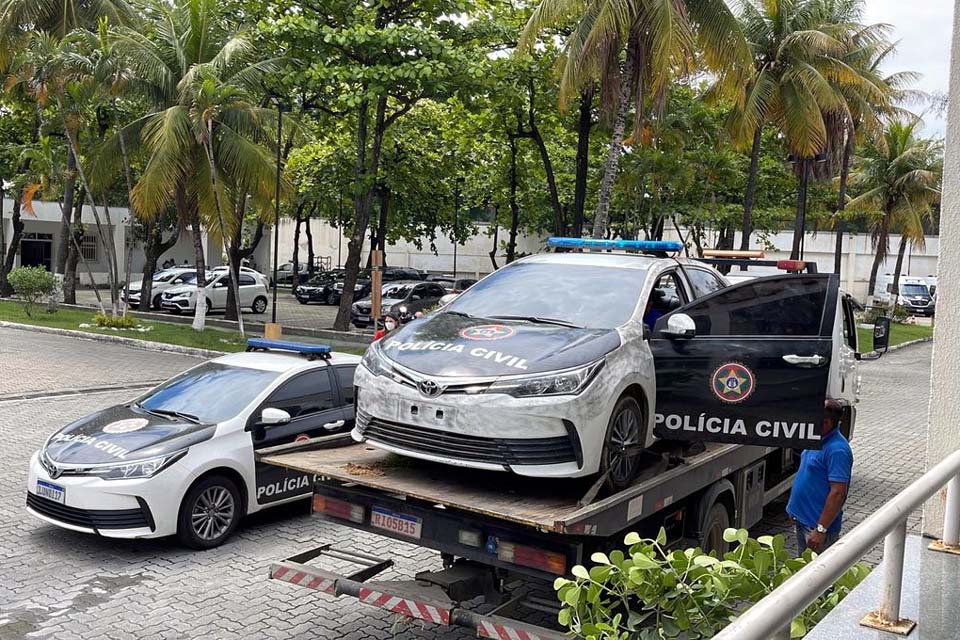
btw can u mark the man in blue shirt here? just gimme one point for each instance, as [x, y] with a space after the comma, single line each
[820, 488]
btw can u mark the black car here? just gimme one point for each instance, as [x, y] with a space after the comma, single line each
[391, 274]
[326, 287]
[401, 299]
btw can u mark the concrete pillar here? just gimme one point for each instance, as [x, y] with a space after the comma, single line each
[944, 417]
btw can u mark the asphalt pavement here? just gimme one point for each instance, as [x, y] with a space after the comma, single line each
[60, 584]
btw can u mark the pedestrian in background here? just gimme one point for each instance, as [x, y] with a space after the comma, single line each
[821, 485]
[388, 324]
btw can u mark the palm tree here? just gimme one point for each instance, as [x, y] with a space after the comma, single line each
[633, 50]
[206, 140]
[899, 179]
[799, 78]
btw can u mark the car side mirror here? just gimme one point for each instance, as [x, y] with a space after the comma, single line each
[680, 326]
[881, 339]
[272, 416]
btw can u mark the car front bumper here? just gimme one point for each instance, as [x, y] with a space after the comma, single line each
[552, 436]
[178, 304]
[139, 508]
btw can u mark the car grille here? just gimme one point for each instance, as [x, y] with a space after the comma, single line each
[363, 310]
[505, 451]
[91, 518]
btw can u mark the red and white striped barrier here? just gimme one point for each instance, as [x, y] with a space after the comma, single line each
[303, 579]
[405, 606]
[499, 631]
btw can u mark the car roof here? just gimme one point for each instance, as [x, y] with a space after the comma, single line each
[281, 361]
[596, 259]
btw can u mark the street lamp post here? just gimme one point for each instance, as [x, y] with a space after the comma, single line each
[456, 223]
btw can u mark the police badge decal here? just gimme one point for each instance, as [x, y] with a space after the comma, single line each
[732, 382]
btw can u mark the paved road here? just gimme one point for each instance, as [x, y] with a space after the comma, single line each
[59, 584]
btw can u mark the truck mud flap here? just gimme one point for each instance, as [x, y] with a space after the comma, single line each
[415, 599]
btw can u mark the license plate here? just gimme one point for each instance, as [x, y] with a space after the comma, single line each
[51, 491]
[363, 318]
[404, 525]
[426, 413]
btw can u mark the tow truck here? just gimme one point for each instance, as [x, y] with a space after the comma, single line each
[499, 536]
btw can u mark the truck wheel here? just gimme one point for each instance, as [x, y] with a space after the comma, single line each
[711, 534]
[626, 435]
[209, 513]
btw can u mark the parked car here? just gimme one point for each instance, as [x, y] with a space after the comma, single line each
[402, 299]
[285, 274]
[323, 287]
[391, 274]
[179, 459]
[462, 284]
[253, 294]
[253, 272]
[162, 281]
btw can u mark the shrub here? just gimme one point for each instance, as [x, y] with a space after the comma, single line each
[115, 322]
[32, 284]
[650, 591]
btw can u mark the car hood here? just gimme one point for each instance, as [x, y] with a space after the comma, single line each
[449, 345]
[182, 288]
[384, 302]
[123, 433]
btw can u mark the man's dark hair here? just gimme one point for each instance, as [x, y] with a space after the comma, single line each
[832, 411]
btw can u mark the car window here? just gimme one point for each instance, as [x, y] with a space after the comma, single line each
[436, 291]
[246, 280]
[162, 277]
[345, 380]
[764, 307]
[396, 292]
[304, 394]
[703, 281]
[199, 391]
[593, 296]
[849, 324]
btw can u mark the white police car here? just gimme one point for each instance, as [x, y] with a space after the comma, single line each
[179, 459]
[567, 364]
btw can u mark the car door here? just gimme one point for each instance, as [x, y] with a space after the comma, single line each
[217, 292]
[311, 400]
[248, 289]
[747, 364]
[344, 377]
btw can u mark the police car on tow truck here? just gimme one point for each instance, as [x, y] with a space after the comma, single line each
[179, 459]
[568, 364]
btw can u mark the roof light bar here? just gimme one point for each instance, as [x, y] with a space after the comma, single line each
[729, 253]
[623, 245]
[263, 344]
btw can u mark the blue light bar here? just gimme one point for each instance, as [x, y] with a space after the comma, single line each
[264, 344]
[623, 245]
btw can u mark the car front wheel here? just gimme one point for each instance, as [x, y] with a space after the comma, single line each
[259, 304]
[332, 298]
[209, 513]
[626, 437]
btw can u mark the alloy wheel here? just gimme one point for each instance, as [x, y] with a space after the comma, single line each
[213, 512]
[624, 436]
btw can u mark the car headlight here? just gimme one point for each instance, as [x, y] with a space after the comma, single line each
[184, 294]
[374, 361]
[138, 469]
[558, 383]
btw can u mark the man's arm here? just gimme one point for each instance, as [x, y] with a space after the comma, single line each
[832, 507]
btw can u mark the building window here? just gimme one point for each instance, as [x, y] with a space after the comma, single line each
[88, 248]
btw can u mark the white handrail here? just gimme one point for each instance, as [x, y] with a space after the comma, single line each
[769, 616]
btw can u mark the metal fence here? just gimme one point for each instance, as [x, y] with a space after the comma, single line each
[770, 618]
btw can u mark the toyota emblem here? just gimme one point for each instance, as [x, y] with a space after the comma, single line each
[429, 388]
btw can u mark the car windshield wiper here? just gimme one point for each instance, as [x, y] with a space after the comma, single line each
[189, 417]
[462, 314]
[539, 320]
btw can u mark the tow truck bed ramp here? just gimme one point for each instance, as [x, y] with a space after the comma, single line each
[551, 505]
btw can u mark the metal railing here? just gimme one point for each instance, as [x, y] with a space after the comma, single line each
[771, 616]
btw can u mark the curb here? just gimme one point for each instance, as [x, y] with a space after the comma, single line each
[910, 343]
[146, 345]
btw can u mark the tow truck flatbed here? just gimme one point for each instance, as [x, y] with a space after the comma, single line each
[545, 505]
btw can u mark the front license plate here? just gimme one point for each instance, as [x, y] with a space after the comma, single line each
[426, 413]
[51, 491]
[404, 525]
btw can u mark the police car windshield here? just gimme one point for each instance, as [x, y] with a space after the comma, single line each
[200, 392]
[914, 290]
[594, 297]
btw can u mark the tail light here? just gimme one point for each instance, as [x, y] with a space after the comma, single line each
[339, 509]
[791, 265]
[548, 561]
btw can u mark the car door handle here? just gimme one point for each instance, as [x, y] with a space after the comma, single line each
[804, 361]
[330, 426]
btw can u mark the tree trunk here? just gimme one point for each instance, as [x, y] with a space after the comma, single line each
[496, 238]
[66, 228]
[614, 149]
[311, 256]
[295, 282]
[13, 248]
[70, 277]
[385, 198]
[881, 253]
[842, 197]
[154, 246]
[799, 225]
[200, 311]
[747, 228]
[584, 125]
[366, 180]
[514, 208]
[896, 273]
[559, 223]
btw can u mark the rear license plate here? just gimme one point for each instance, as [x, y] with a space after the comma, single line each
[404, 525]
[363, 318]
[51, 491]
[425, 413]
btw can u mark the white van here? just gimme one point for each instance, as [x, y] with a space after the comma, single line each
[915, 295]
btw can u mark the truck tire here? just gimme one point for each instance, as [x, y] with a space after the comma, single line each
[627, 429]
[209, 512]
[711, 534]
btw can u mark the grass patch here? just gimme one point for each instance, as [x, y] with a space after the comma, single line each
[167, 333]
[899, 333]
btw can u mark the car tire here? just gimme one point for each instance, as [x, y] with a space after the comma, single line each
[259, 305]
[209, 306]
[174, 310]
[331, 299]
[209, 512]
[711, 534]
[156, 301]
[627, 428]
[302, 301]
